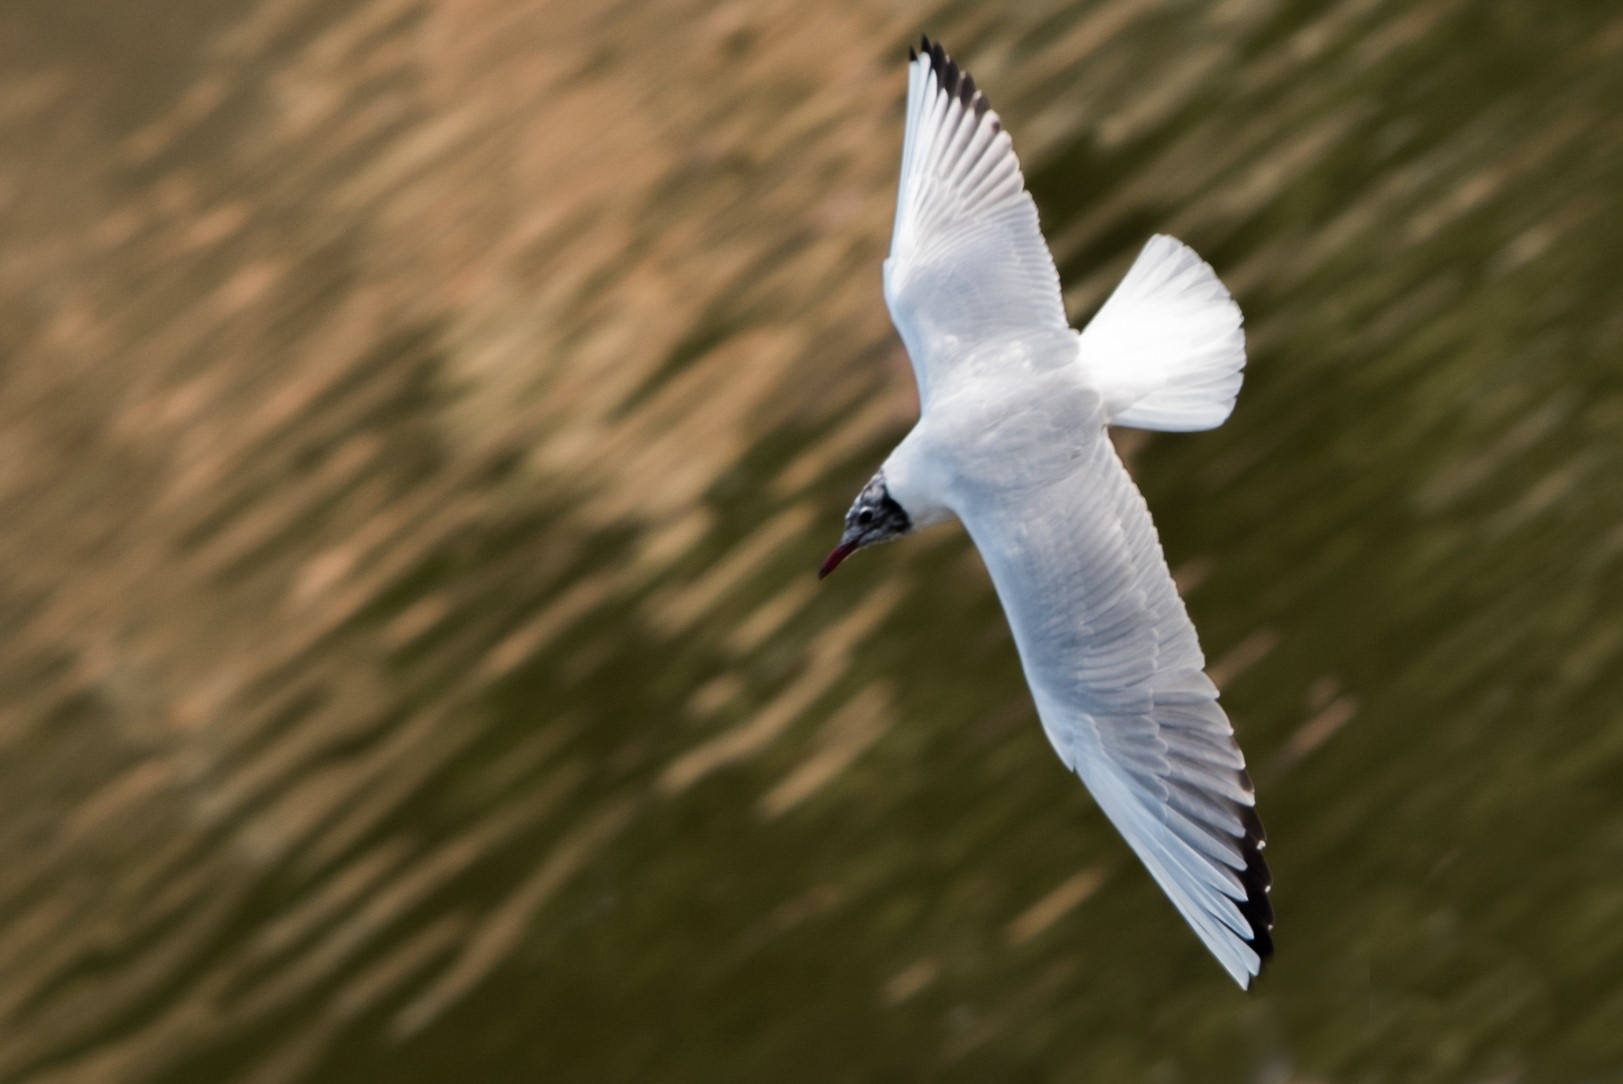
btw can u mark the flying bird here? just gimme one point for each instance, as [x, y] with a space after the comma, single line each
[1011, 441]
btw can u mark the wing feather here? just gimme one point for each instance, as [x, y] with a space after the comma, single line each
[968, 265]
[1117, 674]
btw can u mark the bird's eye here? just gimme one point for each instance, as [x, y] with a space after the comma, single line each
[865, 517]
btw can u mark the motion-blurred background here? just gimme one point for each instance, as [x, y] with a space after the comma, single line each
[420, 422]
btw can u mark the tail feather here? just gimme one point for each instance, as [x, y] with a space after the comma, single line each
[1166, 350]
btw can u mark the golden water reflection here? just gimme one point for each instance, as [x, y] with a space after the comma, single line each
[419, 426]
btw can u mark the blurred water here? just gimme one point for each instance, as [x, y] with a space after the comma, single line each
[419, 426]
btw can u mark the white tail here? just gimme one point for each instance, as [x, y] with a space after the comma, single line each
[1166, 350]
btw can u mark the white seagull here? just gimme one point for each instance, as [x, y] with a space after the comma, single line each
[1011, 441]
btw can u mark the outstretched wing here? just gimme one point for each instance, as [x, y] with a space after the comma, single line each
[1117, 674]
[968, 266]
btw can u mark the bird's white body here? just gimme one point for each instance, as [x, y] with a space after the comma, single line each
[1012, 442]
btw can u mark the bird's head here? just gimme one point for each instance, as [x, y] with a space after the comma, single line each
[874, 517]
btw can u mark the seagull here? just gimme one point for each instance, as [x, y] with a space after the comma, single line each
[1011, 441]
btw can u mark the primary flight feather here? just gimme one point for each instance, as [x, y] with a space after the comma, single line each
[1012, 442]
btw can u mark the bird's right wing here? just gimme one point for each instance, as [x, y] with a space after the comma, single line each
[968, 266]
[1117, 674]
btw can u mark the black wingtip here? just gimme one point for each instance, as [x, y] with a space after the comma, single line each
[950, 77]
[1257, 908]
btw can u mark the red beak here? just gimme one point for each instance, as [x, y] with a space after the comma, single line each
[840, 553]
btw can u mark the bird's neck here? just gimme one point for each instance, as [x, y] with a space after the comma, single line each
[919, 480]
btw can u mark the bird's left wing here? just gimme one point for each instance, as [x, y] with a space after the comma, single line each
[968, 266]
[1117, 673]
